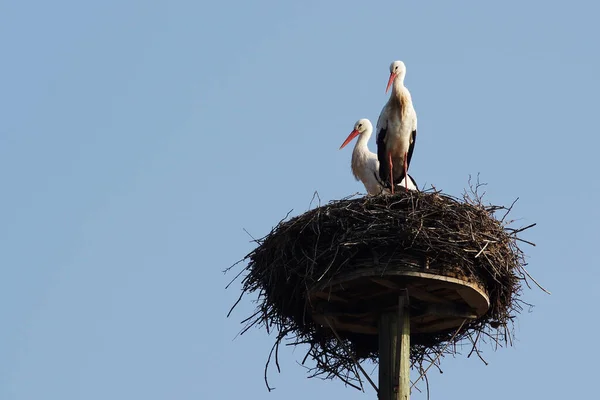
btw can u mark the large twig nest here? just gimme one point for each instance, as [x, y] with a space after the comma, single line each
[457, 238]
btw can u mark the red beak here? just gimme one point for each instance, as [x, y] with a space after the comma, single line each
[352, 135]
[390, 81]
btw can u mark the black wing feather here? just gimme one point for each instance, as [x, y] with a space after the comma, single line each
[384, 171]
[413, 182]
[411, 148]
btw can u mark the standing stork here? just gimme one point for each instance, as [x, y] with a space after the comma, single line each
[396, 129]
[365, 166]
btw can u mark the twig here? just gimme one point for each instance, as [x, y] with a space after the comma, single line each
[235, 277]
[525, 241]
[231, 266]
[315, 194]
[248, 233]
[235, 304]
[534, 281]
[475, 349]
[440, 353]
[515, 231]
[484, 247]
[508, 210]
[352, 356]
[267, 365]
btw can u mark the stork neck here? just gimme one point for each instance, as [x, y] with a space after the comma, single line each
[362, 141]
[398, 85]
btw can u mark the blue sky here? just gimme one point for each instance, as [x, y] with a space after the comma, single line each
[139, 138]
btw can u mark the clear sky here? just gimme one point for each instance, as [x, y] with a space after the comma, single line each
[139, 138]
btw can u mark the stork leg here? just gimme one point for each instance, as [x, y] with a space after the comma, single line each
[391, 171]
[405, 173]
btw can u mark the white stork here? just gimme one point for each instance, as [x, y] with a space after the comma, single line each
[365, 166]
[396, 129]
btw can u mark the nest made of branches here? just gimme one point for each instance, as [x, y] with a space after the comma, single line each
[321, 243]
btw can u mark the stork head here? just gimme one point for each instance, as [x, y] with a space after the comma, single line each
[397, 71]
[361, 126]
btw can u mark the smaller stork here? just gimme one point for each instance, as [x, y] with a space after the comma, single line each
[365, 166]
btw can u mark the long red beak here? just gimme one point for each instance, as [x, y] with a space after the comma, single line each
[351, 136]
[390, 81]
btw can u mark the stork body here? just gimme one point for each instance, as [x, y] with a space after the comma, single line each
[365, 165]
[396, 129]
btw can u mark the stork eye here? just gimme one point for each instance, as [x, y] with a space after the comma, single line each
[360, 125]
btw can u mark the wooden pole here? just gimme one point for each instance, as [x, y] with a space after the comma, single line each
[388, 344]
[404, 317]
[394, 353]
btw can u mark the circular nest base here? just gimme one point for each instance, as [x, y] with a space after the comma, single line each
[353, 302]
[343, 264]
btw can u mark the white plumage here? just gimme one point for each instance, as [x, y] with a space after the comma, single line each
[365, 166]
